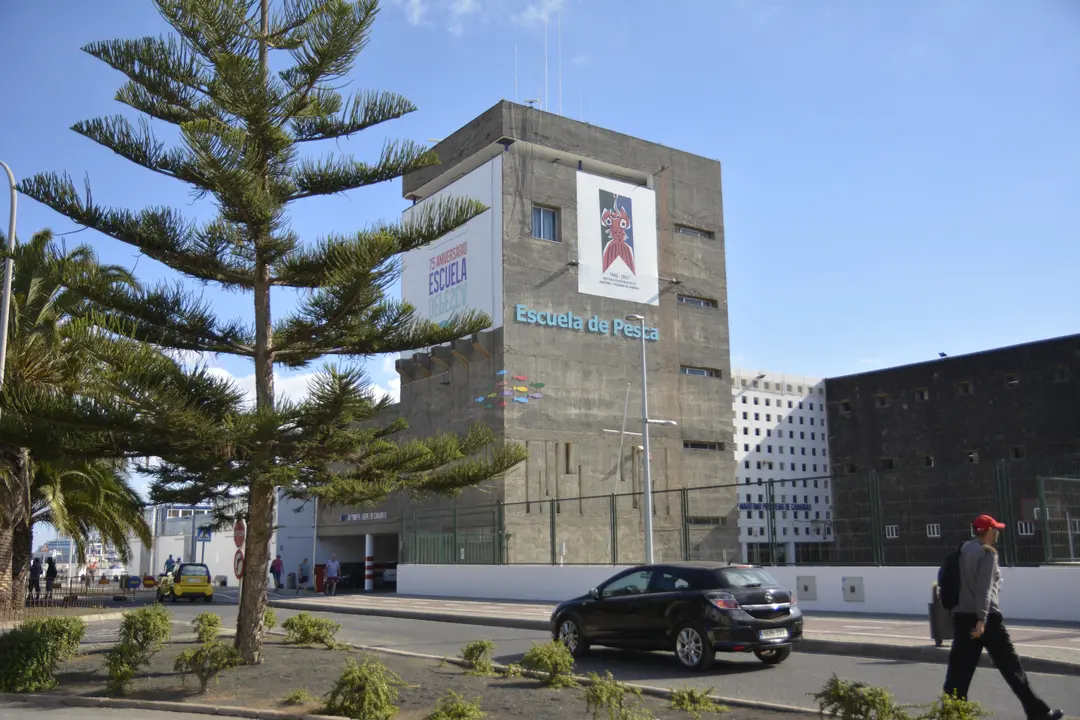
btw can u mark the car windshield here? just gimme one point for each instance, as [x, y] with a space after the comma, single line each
[745, 578]
[194, 571]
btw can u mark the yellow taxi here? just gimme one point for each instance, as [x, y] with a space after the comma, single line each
[189, 580]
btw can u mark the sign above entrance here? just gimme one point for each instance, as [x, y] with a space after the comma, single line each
[363, 517]
[774, 506]
[569, 321]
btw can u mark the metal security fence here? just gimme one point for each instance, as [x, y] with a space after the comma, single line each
[905, 517]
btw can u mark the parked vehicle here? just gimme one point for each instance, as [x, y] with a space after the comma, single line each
[189, 580]
[693, 609]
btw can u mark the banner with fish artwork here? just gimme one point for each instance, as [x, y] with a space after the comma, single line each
[617, 240]
[508, 390]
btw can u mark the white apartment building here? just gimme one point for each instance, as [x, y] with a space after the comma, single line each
[782, 465]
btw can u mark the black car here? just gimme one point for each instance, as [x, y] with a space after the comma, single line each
[695, 610]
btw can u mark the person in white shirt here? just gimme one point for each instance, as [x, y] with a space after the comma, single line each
[333, 576]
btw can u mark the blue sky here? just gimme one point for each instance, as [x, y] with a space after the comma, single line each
[899, 178]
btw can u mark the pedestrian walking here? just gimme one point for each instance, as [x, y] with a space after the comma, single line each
[275, 569]
[979, 624]
[50, 577]
[305, 573]
[35, 579]
[333, 576]
[169, 564]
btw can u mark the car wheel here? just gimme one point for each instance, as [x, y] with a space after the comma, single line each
[209, 598]
[692, 648]
[571, 636]
[773, 656]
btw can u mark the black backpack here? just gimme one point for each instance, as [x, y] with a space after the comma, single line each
[948, 579]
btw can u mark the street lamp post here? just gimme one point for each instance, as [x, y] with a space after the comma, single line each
[9, 271]
[646, 474]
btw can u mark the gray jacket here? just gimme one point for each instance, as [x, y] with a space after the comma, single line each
[980, 580]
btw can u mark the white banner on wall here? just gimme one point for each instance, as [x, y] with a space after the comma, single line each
[463, 269]
[617, 240]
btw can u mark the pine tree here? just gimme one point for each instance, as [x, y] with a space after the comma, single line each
[242, 129]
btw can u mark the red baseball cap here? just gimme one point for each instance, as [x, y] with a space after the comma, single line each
[985, 522]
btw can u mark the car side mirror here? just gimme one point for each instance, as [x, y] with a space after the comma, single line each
[594, 594]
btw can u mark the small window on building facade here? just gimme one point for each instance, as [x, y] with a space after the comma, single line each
[545, 223]
[881, 400]
[966, 387]
[1061, 374]
[933, 530]
[700, 371]
[928, 461]
[888, 464]
[1017, 452]
[845, 407]
[698, 302]
[849, 468]
[1011, 381]
[702, 445]
[892, 532]
[1024, 528]
[973, 457]
[693, 231]
[922, 395]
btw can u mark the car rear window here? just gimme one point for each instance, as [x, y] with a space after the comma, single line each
[745, 577]
[194, 571]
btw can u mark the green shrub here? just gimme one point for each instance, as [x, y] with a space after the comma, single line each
[477, 655]
[28, 660]
[298, 697]
[207, 626]
[606, 695]
[146, 630]
[554, 660]
[269, 618]
[513, 670]
[696, 702]
[121, 663]
[856, 701]
[368, 690]
[65, 633]
[950, 707]
[452, 706]
[306, 629]
[206, 661]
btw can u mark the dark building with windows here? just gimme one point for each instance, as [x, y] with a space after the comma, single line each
[920, 450]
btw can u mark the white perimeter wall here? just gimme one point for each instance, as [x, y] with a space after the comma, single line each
[1027, 593]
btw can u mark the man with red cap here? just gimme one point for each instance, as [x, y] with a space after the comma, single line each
[979, 624]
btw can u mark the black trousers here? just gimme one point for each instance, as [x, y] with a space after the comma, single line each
[965, 654]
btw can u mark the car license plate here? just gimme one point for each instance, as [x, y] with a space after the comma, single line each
[194, 580]
[775, 634]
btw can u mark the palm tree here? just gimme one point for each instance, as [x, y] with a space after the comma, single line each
[48, 357]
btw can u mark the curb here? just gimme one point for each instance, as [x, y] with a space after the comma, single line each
[97, 617]
[158, 705]
[657, 692]
[814, 646]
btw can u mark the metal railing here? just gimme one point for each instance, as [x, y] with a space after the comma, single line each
[905, 517]
[71, 596]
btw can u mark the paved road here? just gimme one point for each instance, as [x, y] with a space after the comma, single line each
[740, 676]
[1056, 642]
[20, 711]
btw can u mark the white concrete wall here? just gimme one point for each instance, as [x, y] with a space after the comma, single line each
[1027, 593]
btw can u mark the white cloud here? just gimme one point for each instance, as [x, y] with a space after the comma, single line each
[538, 12]
[415, 10]
[459, 9]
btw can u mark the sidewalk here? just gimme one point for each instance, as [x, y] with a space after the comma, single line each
[1045, 648]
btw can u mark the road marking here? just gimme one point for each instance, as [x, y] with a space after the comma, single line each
[864, 627]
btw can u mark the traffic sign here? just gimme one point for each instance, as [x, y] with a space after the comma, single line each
[238, 564]
[239, 534]
[133, 582]
[202, 534]
[149, 581]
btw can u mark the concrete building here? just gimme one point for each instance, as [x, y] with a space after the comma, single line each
[782, 466]
[920, 450]
[584, 227]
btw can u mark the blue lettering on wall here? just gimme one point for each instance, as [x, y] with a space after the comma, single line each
[568, 320]
[797, 507]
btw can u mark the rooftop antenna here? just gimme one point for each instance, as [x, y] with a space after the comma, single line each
[545, 106]
[558, 39]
